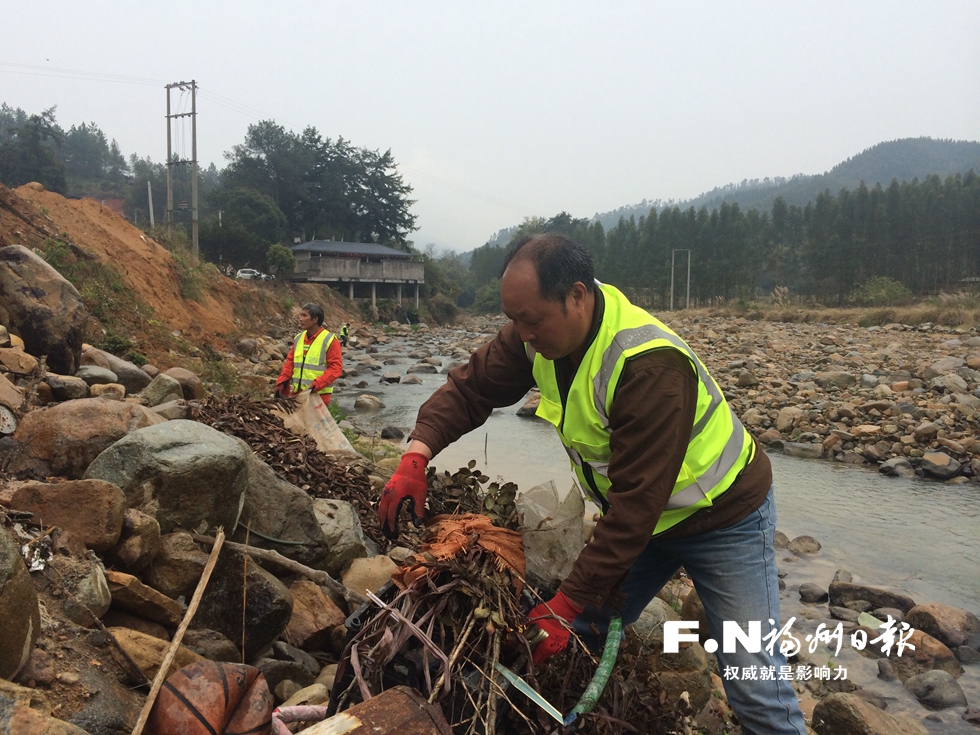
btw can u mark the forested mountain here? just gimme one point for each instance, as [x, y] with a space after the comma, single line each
[904, 160]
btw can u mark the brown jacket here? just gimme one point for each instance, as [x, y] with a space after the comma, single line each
[651, 419]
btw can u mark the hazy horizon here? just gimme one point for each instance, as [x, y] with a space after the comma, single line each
[497, 112]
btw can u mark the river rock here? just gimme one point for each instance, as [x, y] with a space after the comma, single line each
[279, 509]
[420, 367]
[804, 545]
[190, 383]
[951, 625]
[832, 379]
[937, 690]
[187, 475]
[803, 450]
[148, 652]
[787, 417]
[92, 510]
[951, 383]
[848, 714]
[392, 432]
[391, 377]
[127, 374]
[40, 305]
[841, 592]
[134, 597]
[314, 617]
[940, 465]
[212, 645]
[929, 654]
[368, 575]
[177, 409]
[162, 389]
[269, 603]
[342, 530]
[812, 593]
[367, 402]
[63, 440]
[66, 387]
[530, 405]
[896, 467]
[411, 380]
[178, 565]
[18, 609]
[95, 375]
[108, 391]
[139, 541]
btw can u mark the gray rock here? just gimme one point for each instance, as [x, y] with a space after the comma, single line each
[176, 409]
[422, 368]
[886, 670]
[185, 474]
[276, 672]
[950, 382]
[341, 527]
[848, 714]
[841, 592]
[530, 405]
[367, 402]
[128, 374]
[282, 651]
[392, 432]
[832, 379]
[247, 346]
[940, 465]
[882, 613]
[278, 509]
[926, 432]
[267, 612]
[18, 609]
[177, 566]
[40, 305]
[162, 389]
[95, 375]
[391, 377]
[139, 542]
[844, 613]
[803, 450]
[810, 592]
[212, 645]
[950, 625]
[65, 387]
[804, 545]
[190, 383]
[966, 655]
[896, 467]
[86, 581]
[747, 380]
[936, 689]
[943, 365]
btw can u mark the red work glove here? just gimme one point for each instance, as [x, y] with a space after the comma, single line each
[284, 390]
[407, 484]
[544, 616]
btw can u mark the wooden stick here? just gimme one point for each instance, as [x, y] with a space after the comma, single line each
[179, 635]
[274, 557]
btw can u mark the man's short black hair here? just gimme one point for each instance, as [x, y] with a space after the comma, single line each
[315, 311]
[559, 262]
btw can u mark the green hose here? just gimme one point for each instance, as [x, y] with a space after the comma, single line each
[602, 673]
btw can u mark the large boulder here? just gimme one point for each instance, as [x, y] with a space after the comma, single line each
[937, 690]
[185, 474]
[62, 440]
[848, 714]
[341, 527]
[127, 374]
[18, 609]
[951, 625]
[37, 303]
[92, 510]
[843, 592]
[280, 510]
[268, 603]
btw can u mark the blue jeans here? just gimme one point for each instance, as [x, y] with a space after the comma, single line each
[734, 573]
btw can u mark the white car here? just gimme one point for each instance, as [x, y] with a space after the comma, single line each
[250, 274]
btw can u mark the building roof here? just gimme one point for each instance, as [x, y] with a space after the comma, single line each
[351, 249]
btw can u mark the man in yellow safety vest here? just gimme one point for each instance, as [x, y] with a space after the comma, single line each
[315, 360]
[654, 444]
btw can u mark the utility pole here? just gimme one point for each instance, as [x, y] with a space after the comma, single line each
[673, 253]
[149, 195]
[183, 86]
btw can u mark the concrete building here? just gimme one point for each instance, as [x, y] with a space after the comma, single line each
[358, 269]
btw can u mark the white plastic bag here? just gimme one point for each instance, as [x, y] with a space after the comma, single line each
[312, 418]
[554, 532]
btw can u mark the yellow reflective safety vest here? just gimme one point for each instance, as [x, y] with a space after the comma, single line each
[719, 447]
[309, 363]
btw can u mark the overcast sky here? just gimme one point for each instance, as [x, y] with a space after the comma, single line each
[498, 111]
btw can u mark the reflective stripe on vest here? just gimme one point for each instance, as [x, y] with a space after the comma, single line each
[309, 363]
[719, 446]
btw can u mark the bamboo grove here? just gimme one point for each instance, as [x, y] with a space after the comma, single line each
[922, 234]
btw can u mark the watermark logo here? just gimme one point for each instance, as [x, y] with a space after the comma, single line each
[894, 636]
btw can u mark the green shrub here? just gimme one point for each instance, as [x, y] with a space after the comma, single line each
[280, 260]
[881, 291]
[488, 298]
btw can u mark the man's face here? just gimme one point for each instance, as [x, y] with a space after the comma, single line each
[549, 329]
[305, 321]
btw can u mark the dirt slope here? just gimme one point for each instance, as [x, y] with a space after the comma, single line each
[30, 214]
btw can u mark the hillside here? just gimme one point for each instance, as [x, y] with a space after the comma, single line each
[136, 288]
[898, 159]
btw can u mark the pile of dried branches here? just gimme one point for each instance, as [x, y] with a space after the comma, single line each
[295, 459]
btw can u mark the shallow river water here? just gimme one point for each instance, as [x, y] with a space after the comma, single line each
[912, 536]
